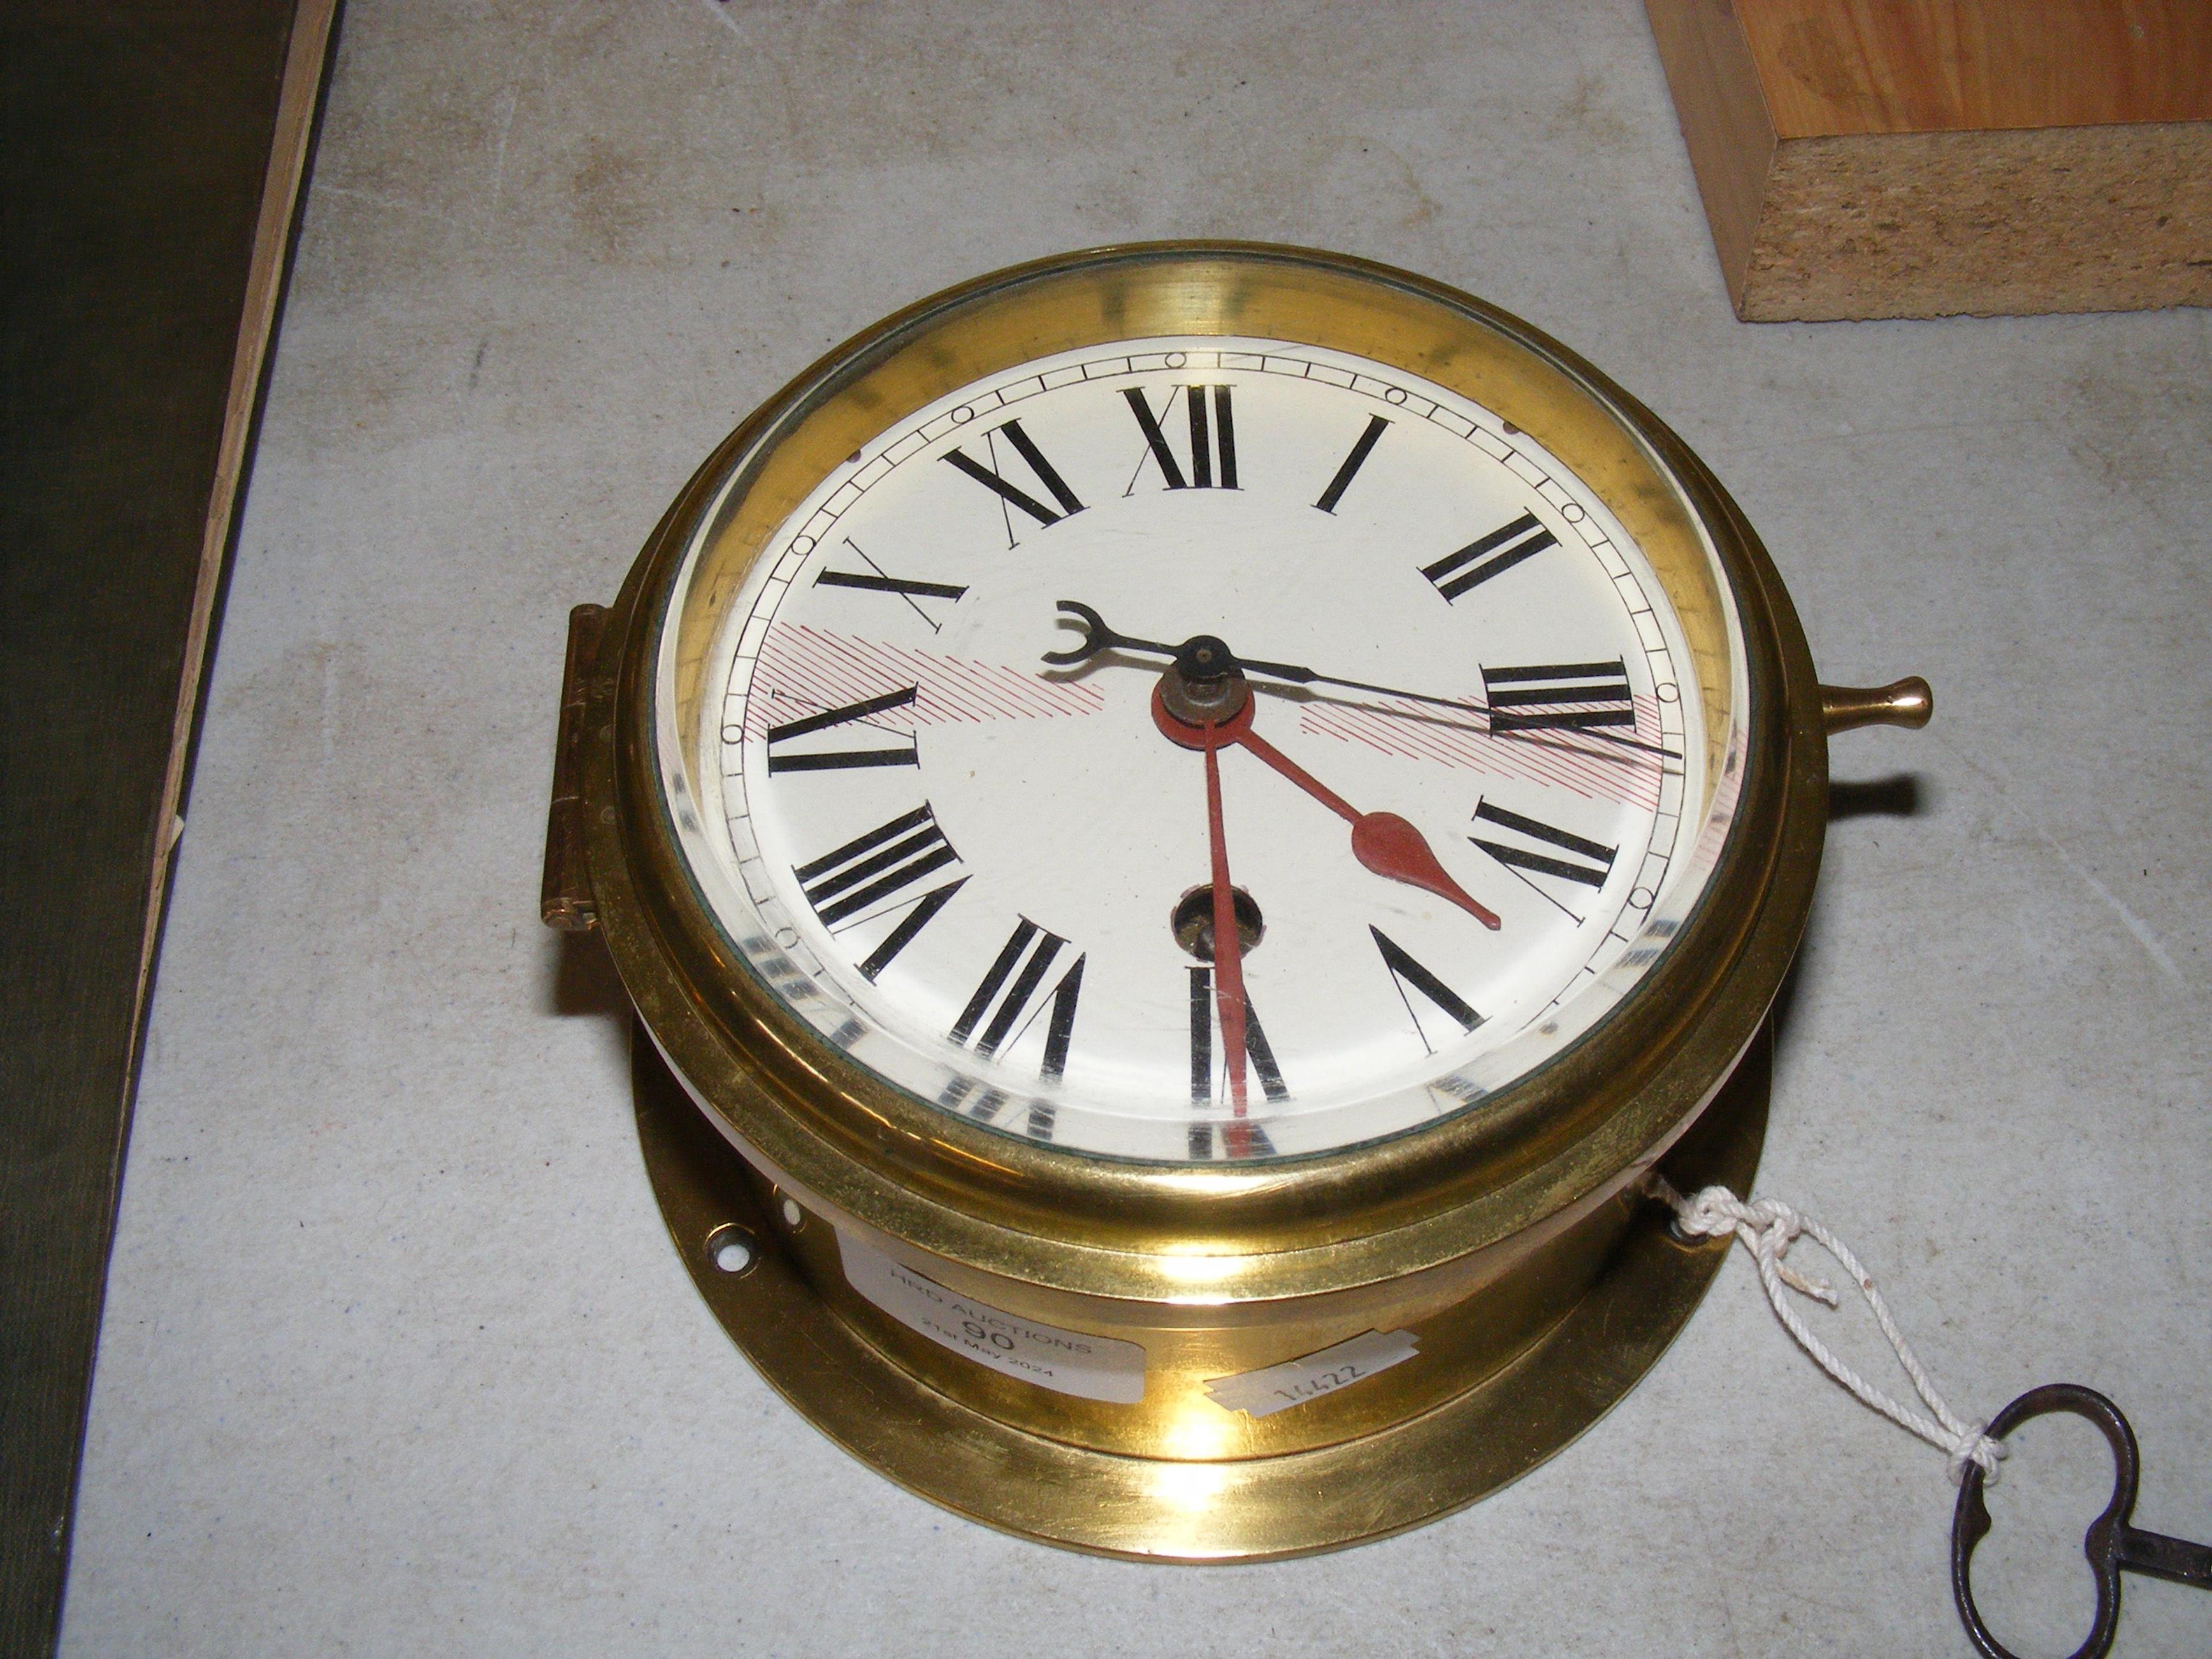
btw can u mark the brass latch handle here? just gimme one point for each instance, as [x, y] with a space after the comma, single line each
[565, 899]
[1908, 702]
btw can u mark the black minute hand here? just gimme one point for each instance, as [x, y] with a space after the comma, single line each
[1280, 670]
[1098, 638]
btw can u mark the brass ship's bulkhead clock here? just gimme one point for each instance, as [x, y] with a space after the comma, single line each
[1184, 823]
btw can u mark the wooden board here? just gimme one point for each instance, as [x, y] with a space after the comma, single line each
[1911, 158]
[152, 165]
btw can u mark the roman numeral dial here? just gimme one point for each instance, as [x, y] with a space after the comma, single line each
[1530, 848]
[1203, 1027]
[877, 866]
[1238, 1138]
[1011, 494]
[1558, 697]
[1009, 989]
[1348, 469]
[1412, 980]
[1577, 858]
[1212, 447]
[1488, 556]
[876, 579]
[1024, 669]
[846, 757]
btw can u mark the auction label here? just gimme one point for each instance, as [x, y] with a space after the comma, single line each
[1293, 1383]
[1066, 1362]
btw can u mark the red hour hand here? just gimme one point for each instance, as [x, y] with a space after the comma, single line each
[1384, 842]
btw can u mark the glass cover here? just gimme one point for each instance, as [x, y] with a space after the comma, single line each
[1468, 798]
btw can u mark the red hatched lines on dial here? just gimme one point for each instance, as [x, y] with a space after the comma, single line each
[1586, 766]
[805, 668]
[802, 669]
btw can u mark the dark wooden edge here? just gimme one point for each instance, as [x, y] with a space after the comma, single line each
[68, 1131]
[308, 56]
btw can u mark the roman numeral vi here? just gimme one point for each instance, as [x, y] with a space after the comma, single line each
[1239, 1138]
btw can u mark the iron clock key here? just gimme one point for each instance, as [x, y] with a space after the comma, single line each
[2113, 1545]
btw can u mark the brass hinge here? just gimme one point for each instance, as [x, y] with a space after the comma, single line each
[565, 900]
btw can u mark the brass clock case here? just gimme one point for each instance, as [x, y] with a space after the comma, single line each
[1508, 1237]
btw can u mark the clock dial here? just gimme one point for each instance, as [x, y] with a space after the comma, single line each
[1398, 781]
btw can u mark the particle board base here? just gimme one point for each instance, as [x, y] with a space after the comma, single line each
[1931, 224]
[1920, 161]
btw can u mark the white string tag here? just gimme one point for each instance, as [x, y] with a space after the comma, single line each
[1766, 1226]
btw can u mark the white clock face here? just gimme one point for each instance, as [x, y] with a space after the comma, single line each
[1465, 806]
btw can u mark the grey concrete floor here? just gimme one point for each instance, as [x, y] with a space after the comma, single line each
[397, 1357]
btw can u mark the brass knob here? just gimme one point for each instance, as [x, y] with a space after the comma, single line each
[1908, 702]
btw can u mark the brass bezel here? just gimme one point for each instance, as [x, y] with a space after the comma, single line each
[1575, 1131]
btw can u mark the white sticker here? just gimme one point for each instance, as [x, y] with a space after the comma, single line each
[1068, 1362]
[1278, 1388]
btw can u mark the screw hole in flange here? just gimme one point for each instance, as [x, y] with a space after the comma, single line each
[1193, 920]
[732, 1249]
